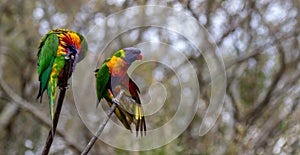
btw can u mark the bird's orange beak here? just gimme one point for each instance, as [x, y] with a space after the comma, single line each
[140, 57]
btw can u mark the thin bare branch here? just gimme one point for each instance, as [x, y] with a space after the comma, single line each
[8, 112]
[37, 114]
[101, 127]
[63, 88]
[257, 111]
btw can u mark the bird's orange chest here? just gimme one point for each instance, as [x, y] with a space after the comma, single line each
[117, 66]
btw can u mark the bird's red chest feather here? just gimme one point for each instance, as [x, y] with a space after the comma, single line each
[127, 84]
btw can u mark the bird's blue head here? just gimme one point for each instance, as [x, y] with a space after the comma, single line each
[132, 54]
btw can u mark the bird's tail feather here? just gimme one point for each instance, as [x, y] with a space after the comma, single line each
[52, 95]
[122, 116]
[140, 124]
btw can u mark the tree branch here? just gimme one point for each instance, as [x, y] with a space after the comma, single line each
[274, 128]
[257, 110]
[55, 121]
[101, 127]
[36, 114]
[62, 87]
[8, 112]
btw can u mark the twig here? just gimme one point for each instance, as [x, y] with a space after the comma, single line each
[257, 111]
[101, 127]
[37, 114]
[63, 87]
[7, 114]
[55, 121]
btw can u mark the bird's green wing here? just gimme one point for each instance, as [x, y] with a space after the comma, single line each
[46, 55]
[102, 78]
[83, 49]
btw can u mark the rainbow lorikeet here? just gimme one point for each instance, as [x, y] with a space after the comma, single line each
[56, 48]
[111, 77]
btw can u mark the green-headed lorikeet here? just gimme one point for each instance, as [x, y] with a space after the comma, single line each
[55, 48]
[111, 77]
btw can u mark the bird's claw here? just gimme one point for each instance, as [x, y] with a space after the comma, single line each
[70, 56]
[115, 100]
[67, 57]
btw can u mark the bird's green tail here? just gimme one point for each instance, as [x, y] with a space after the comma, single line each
[52, 95]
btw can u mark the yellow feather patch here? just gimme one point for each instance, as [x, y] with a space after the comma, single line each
[116, 65]
[75, 39]
[137, 112]
[122, 53]
[65, 38]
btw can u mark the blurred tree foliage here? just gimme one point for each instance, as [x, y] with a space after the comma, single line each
[259, 41]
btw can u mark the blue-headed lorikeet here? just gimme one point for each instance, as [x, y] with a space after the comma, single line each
[55, 48]
[111, 77]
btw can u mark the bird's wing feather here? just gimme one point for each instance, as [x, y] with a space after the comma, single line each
[138, 110]
[46, 55]
[103, 87]
[102, 78]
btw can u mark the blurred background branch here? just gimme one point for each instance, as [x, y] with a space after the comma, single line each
[40, 117]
